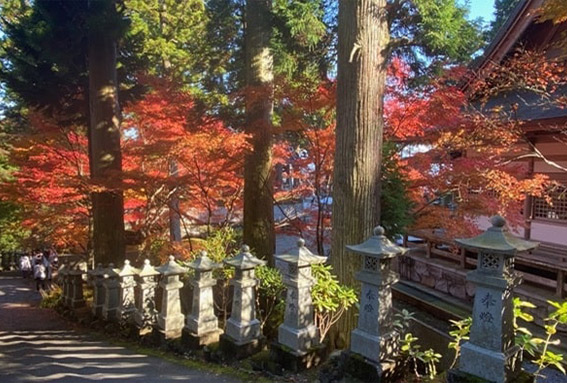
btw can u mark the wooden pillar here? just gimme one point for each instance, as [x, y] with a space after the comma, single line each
[528, 204]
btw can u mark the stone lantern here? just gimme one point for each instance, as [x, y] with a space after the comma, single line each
[63, 279]
[75, 282]
[170, 319]
[491, 352]
[126, 300]
[243, 333]
[201, 327]
[375, 338]
[146, 311]
[298, 333]
[96, 280]
[110, 285]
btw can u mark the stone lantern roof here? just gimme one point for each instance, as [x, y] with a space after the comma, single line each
[203, 263]
[111, 272]
[378, 246]
[97, 271]
[171, 268]
[127, 270]
[301, 256]
[497, 240]
[148, 270]
[244, 260]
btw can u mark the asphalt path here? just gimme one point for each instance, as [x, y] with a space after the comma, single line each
[36, 345]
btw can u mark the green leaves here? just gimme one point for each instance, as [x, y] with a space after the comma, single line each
[271, 283]
[445, 29]
[539, 346]
[327, 293]
[560, 314]
[330, 299]
[460, 333]
[429, 357]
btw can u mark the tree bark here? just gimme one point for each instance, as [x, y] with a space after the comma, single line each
[258, 176]
[362, 60]
[104, 143]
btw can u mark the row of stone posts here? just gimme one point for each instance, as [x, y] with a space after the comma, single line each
[9, 261]
[127, 295]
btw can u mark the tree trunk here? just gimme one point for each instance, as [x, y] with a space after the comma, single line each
[258, 175]
[173, 205]
[362, 60]
[104, 140]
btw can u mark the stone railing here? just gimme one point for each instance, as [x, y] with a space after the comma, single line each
[128, 296]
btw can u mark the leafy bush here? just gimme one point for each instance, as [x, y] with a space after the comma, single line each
[51, 298]
[411, 350]
[269, 299]
[330, 299]
[459, 333]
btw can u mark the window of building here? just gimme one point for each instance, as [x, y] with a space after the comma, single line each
[554, 207]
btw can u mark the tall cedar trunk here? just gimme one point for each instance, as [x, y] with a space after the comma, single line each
[173, 204]
[104, 140]
[362, 56]
[258, 175]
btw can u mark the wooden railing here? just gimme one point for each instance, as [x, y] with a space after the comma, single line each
[535, 267]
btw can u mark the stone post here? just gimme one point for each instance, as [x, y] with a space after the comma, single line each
[146, 313]
[243, 333]
[375, 338]
[126, 300]
[64, 283]
[170, 319]
[110, 285]
[75, 283]
[491, 352]
[96, 277]
[201, 327]
[298, 338]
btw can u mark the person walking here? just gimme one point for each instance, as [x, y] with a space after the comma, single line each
[39, 271]
[25, 265]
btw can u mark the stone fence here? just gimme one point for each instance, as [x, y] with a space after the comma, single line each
[128, 296]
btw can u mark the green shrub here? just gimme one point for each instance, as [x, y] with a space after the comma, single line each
[269, 299]
[330, 299]
[50, 299]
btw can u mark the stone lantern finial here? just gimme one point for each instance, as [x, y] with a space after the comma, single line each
[491, 352]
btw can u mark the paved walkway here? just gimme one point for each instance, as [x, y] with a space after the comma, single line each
[38, 346]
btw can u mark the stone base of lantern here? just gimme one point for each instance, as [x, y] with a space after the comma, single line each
[457, 376]
[374, 348]
[78, 303]
[161, 337]
[294, 361]
[235, 350]
[193, 341]
[367, 370]
[498, 367]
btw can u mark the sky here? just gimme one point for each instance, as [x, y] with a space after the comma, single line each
[482, 8]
